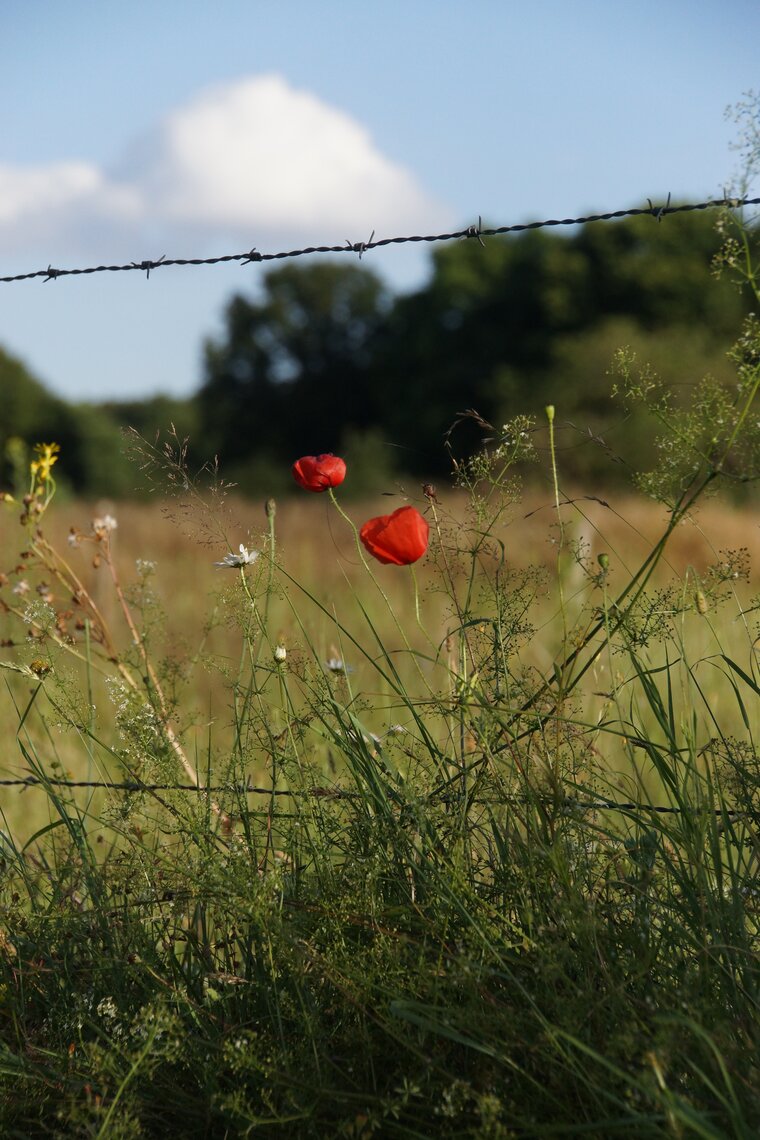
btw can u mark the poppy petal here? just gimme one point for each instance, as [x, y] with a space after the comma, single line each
[397, 539]
[318, 472]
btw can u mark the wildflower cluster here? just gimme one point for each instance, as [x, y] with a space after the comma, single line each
[41, 482]
[398, 539]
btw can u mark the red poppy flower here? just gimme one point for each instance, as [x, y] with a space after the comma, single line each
[399, 538]
[318, 472]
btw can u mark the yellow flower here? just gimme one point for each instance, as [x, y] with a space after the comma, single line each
[47, 455]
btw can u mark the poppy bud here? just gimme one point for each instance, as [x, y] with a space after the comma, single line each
[318, 472]
[399, 538]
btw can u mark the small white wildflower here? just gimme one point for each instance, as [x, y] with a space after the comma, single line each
[104, 525]
[74, 538]
[336, 665]
[280, 653]
[244, 558]
[106, 1007]
[39, 613]
[21, 588]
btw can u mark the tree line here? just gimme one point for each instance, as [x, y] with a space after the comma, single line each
[326, 358]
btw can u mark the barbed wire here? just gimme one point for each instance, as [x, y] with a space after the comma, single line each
[477, 232]
[337, 793]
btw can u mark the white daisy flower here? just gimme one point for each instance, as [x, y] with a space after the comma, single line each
[244, 558]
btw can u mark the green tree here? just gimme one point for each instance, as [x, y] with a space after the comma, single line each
[89, 439]
[324, 356]
[496, 327]
[292, 372]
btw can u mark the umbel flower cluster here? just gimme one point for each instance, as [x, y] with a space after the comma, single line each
[399, 538]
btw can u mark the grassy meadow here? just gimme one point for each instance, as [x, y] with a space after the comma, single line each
[499, 875]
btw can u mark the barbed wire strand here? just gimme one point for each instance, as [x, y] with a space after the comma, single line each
[361, 247]
[337, 793]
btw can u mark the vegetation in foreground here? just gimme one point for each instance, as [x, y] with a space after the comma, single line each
[449, 907]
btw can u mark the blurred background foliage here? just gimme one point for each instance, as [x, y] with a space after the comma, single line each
[326, 358]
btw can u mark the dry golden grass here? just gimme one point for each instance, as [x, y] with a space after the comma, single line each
[317, 549]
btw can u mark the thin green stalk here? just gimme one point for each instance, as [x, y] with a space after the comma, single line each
[560, 522]
[103, 1131]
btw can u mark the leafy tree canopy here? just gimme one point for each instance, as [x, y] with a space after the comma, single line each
[292, 373]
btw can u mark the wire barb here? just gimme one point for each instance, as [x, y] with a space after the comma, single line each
[148, 265]
[658, 212]
[360, 247]
[476, 232]
[53, 274]
[252, 255]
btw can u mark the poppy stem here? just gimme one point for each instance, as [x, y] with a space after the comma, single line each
[417, 601]
[271, 510]
[418, 615]
[345, 517]
[380, 589]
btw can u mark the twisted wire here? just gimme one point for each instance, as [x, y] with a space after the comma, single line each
[477, 232]
[569, 802]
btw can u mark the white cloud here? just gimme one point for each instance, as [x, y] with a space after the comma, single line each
[58, 202]
[25, 191]
[255, 160]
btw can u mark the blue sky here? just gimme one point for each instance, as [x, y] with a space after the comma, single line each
[184, 128]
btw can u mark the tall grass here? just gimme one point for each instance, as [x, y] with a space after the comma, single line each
[500, 874]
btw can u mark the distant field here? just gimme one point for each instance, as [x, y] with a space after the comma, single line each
[316, 548]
